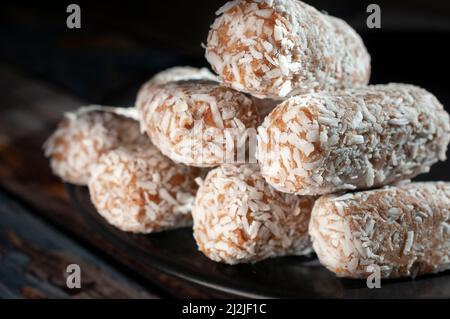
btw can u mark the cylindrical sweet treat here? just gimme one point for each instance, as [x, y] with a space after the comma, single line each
[139, 190]
[198, 123]
[174, 74]
[395, 231]
[238, 218]
[82, 136]
[321, 143]
[281, 48]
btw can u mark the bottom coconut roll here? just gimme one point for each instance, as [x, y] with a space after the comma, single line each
[137, 189]
[239, 218]
[399, 231]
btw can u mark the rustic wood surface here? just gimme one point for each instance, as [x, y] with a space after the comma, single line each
[28, 115]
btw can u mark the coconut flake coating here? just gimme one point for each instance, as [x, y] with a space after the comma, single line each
[238, 218]
[139, 190]
[83, 136]
[281, 48]
[197, 122]
[361, 138]
[403, 231]
[174, 74]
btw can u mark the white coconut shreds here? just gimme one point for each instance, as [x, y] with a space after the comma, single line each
[321, 143]
[139, 190]
[275, 49]
[404, 230]
[188, 121]
[82, 136]
[239, 218]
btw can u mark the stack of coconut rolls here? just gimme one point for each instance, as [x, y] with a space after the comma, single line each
[287, 150]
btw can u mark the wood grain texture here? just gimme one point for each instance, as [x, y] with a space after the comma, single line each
[28, 115]
[34, 257]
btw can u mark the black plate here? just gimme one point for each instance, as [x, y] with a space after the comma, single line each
[175, 252]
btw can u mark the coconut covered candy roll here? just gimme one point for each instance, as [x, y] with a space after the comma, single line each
[84, 135]
[198, 123]
[137, 189]
[361, 138]
[400, 230]
[280, 48]
[239, 218]
[185, 73]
